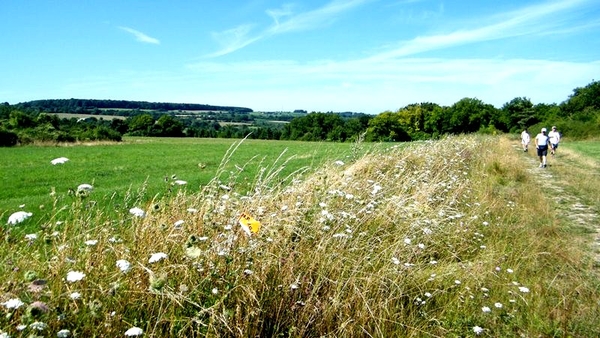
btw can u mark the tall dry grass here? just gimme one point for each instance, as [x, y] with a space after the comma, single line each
[442, 238]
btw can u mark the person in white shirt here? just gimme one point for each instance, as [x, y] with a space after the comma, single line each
[541, 144]
[554, 137]
[525, 139]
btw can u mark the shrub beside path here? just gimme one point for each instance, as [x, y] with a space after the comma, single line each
[560, 183]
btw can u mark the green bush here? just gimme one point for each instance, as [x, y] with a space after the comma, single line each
[8, 138]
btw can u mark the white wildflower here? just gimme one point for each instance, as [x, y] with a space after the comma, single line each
[91, 242]
[477, 329]
[137, 212]
[498, 305]
[18, 217]
[155, 257]
[523, 289]
[123, 265]
[486, 309]
[31, 237]
[75, 276]
[75, 295]
[13, 303]
[134, 331]
[40, 326]
[64, 333]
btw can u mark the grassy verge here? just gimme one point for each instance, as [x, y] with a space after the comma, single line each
[578, 164]
[445, 238]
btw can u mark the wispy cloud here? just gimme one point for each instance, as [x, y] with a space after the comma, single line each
[537, 19]
[139, 36]
[284, 21]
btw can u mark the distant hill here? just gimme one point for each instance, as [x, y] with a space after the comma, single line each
[87, 105]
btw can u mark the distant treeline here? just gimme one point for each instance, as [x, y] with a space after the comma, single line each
[82, 105]
[576, 117]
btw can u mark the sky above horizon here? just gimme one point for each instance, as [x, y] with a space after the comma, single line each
[334, 55]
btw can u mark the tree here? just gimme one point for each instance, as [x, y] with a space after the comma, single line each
[140, 125]
[169, 126]
[582, 98]
[386, 127]
[469, 115]
[516, 114]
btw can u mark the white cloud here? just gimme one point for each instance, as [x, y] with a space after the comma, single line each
[284, 21]
[537, 19]
[141, 37]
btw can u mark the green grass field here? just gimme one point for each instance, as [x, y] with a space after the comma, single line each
[145, 165]
[587, 148]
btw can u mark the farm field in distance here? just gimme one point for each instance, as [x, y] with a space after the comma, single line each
[28, 177]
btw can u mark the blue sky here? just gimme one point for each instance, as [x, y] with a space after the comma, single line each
[330, 55]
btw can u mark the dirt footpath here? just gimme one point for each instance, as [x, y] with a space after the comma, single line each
[571, 207]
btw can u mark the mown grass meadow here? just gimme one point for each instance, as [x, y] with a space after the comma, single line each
[141, 169]
[448, 238]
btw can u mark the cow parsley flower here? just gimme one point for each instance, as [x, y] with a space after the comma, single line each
[523, 289]
[75, 276]
[40, 326]
[137, 212]
[13, 303]
[155, 257]
[134, 331]
[123, 265]
[64, 333]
